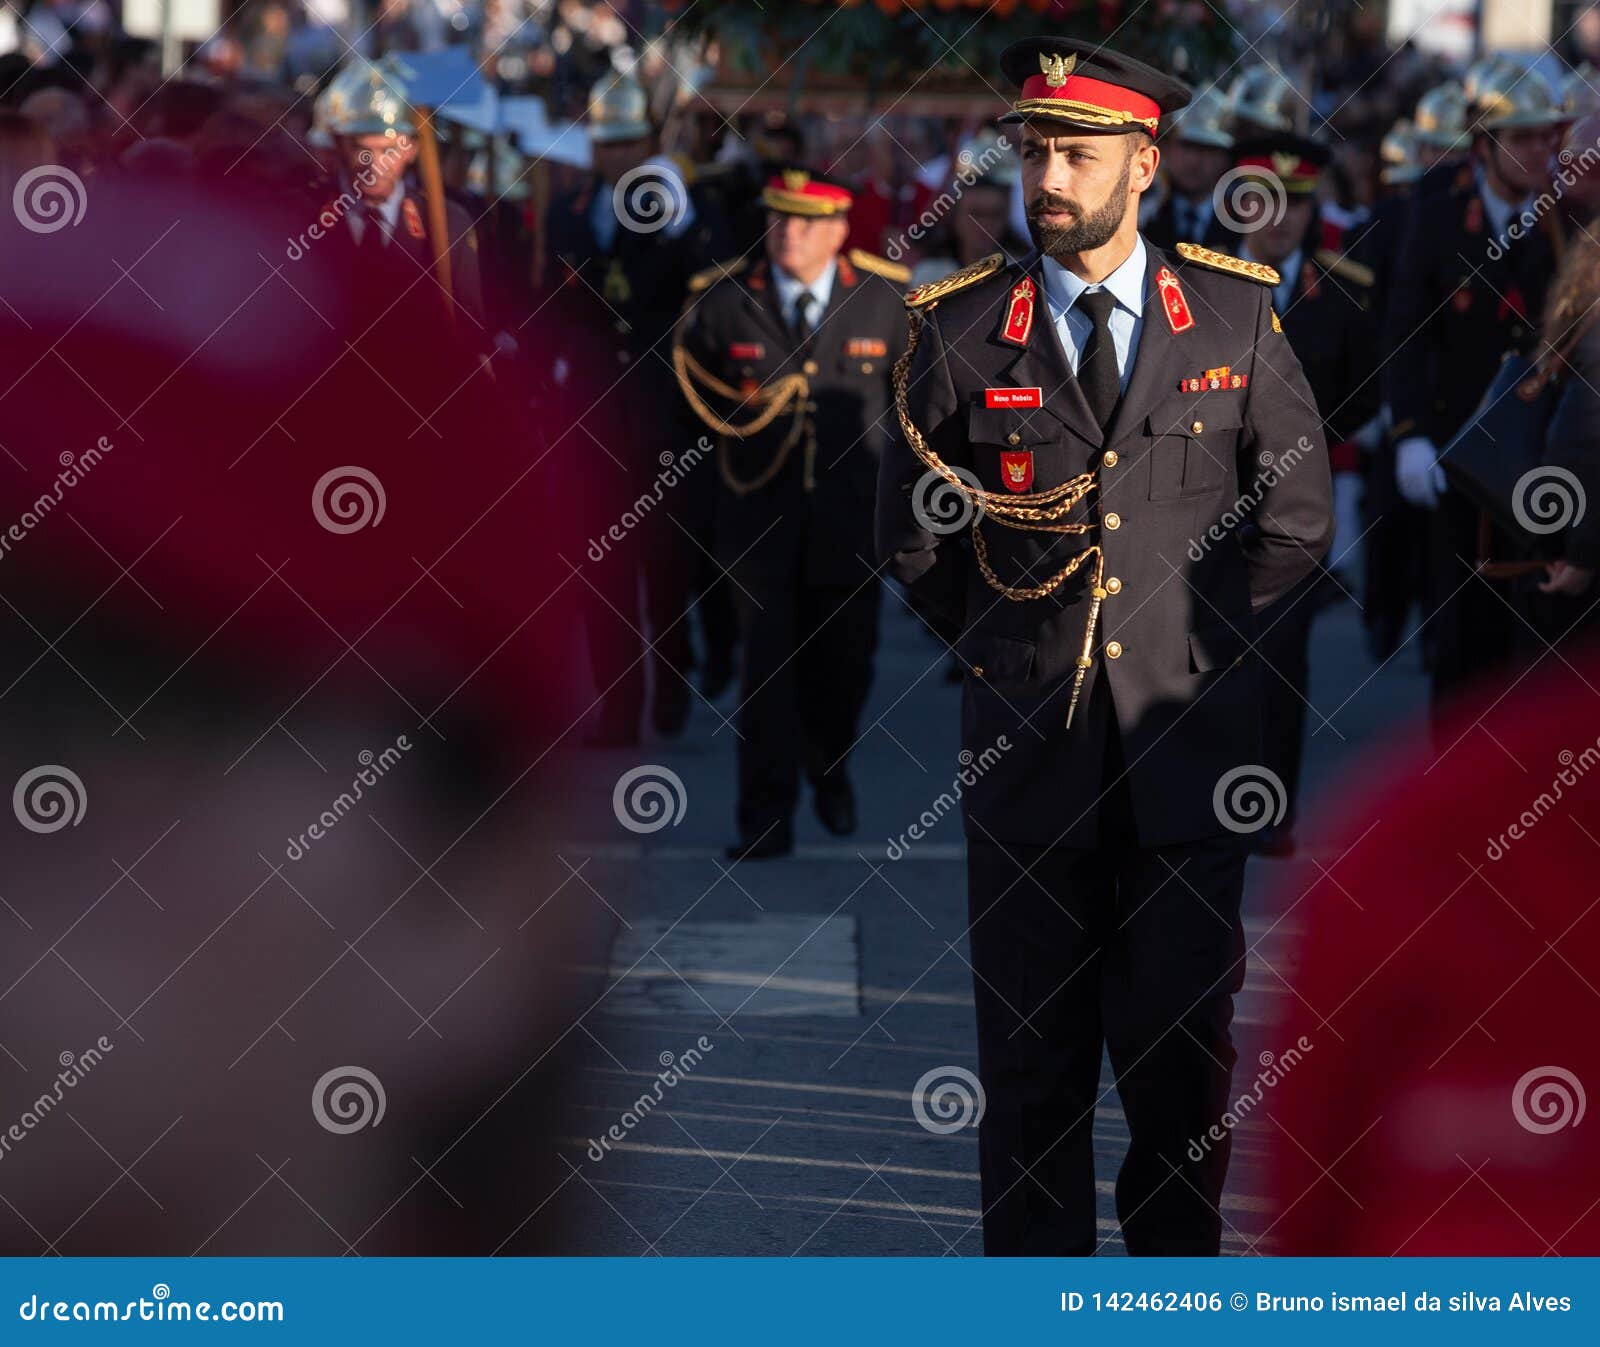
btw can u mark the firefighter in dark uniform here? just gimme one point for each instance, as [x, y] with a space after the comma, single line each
[787, 362]
[1469, 287]
[1196, 153]
[1323, 300]
[376, 209]
[621, 248]
[1107, 404]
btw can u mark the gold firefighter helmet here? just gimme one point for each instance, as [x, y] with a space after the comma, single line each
[1264, 98]
[1507, 97]
[365, 99]
[1205, 121]
[619, 109]
[1441, 117]
[1398, 153]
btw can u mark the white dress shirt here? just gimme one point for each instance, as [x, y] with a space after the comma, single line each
[1126, 285]
[388, 212]
[788, 291]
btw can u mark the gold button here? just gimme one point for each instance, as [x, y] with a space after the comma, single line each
[1197, 427]
[1113, 649]
[866, 367]
[1015, 437]
[810, 367]
[1113, 521]
[1113, 586]
[1109, 458]
[977, 671]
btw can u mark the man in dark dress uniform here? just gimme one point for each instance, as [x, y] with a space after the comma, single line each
[1197, 152]
[1469, 287]
[787, 362]
[1109, 405]
[379, 214]
[1323, 301]
[621, 248]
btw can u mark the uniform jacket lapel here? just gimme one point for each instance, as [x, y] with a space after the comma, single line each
[1043, 363]
[1156, 366]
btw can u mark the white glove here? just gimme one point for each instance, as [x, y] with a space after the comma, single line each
[1417, 472]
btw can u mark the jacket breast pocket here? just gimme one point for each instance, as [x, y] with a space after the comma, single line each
[999, 661]
[1193, 444]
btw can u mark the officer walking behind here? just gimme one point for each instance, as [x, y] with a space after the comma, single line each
[1196, 152]
[788, 363]
[622, 247]
[1469, 286]
[1116, 402]
[1323, 303]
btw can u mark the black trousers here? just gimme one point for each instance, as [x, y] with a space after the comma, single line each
[1130, 948]
[1472, 624]
[808, 653]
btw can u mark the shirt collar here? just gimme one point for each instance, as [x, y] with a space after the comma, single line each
[1499, 212]
[789, 288]
[1126, 283]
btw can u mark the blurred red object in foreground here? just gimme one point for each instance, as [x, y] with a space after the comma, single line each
[1449, 985]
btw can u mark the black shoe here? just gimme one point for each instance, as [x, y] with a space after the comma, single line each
[835, 803]
[670, 713]
[778, 840]
[718, 674]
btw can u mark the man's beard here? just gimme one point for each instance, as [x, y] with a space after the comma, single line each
[1089, 229]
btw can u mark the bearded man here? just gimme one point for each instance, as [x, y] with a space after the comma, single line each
[1145, 472]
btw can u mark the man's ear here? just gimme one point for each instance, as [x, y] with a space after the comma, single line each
[1142, 171]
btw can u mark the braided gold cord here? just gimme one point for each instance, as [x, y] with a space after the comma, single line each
[773, 399]
[1039, 517]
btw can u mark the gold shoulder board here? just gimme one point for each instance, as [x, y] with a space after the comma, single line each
[956, 280]
[1234, 266]
[703, 280]
[880, 266]
[1340, 265]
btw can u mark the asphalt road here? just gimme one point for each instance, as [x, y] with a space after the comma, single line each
[827, 985]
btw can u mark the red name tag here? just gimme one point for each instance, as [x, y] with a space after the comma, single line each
[1013, 397]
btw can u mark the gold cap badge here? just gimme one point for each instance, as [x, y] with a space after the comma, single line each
[1056, 68]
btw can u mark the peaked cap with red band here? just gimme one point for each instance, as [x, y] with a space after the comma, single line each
[798, 191]
[1088, 87]
[1295, 161]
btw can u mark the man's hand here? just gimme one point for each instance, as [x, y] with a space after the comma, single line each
[1417, 472]
[1562, 577]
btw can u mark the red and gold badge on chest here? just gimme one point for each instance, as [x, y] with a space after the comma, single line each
[1016, 469]
[413, 218]
[1018, 322]
[1173, 301]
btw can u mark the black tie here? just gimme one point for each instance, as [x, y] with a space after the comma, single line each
[373, 236]
[802, 315]
[1097, 366]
